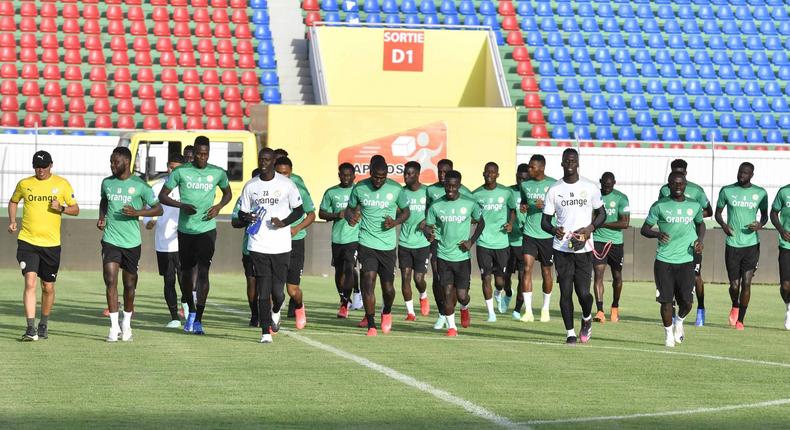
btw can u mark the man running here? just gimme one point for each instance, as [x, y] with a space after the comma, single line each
[345, 238]
[46, 198]
[373, 204]
[284, 166]
[693, 192]
[493, 247]
[124, 198]
[197, 183]
[435, 192]
[780, 218]
[448, 222]
[609, 246]
[575, 201]
[166, 246]
[515, 263]
[681, 231]
[246, 261]
[537, 244]
[742, 246]
[414, 250]
[269, 204]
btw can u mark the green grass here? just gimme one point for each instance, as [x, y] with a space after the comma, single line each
[166, 379]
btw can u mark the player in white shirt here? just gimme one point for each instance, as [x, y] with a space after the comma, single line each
[269, 203]
[574, 201]
[166, 245]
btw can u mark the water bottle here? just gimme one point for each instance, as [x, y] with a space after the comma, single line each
[257, 215]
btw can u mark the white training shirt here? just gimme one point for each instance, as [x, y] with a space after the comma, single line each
[278, 197]
[573, 205]
[166, 230]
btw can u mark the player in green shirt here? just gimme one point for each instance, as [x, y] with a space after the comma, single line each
[284, 166]
[693, 192]
[742, 250]
[435, 192]
[197, 229]
[493, 246]
[448, 221]
[608, 243]
[124, 198]
[414, 250]
[780, 218]
[246, 260]
[373, 204]
[344, 237]
[516, 262]
[681, 231]
[538, 245]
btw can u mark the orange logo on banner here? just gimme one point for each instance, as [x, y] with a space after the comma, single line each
[426, 145]
[403, 50]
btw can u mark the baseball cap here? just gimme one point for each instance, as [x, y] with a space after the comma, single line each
[42, 159]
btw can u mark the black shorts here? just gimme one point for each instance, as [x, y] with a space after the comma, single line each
[784, 265]
[196, 249]
[541, 249]
[249, 268]
[271, 267]
[740, 260]
[674, 282]
[492, 261]
[168, 262]
[44, 261]
[573, 268]
[296, 265]
[455, 273]
[697, 264]
[515, 264]
[417, 259]
[613, 259]
[381, 262]
[127, 258]
[344, 253]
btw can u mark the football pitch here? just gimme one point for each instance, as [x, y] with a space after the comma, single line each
[506, 374]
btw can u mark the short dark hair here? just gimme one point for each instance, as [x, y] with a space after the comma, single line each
[452, 174]
[281, 152]
[607, 175]
[523, 167]
[747, 164]
[570, 151]
[412, 165]
[345, 166]
[201, 141]
[678, 163]
[445, 161]
[189, 148]
[538, 158]
[266, 150]
[491, 163]
[378, 158]
[122, 151]
[377, 165]
[283, 161]
[674, 174]
[175, 157]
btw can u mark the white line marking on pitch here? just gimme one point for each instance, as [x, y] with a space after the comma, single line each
[663, 414]
[442, 395]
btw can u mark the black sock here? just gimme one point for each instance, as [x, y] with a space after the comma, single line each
[615, 303]
[253, 308]
[599, 305]
[386, 309]
[508, 291]
[735, 304]
[742, 313]
[371, 320]
[31, 322]
[200, 309]
[173, 312]
[44, 320]
[701, 302]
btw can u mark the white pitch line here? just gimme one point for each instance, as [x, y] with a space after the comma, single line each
[442, 395]
[663, 414]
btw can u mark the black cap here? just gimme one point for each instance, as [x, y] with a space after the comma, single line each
[42, 159]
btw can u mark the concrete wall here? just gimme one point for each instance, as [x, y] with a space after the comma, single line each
[81, 251]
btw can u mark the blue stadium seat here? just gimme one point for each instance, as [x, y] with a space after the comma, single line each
[741, 104]
[765, 73]
[682, 57]
[655, 86]
[695, 41]
[371, 6]
[329, 5]
[713, 88]
[621, 118]
[609, 70]
[707, 120]
[269, 78]
[490, 21]
[548, 85]
[565, 68]
[613, 86]
[452, 20]
[688, 71]
[779, 14]
[671, 26]
[569, 25]
[628, 70]
[524, 8]
[582, 132]
[466, 7]
[350, 6]
[487, 7]
[716, 43]
[649, 70]
[687, 119]
[610, 25]
[581, 55]
[615, 40]
[576, 101]
[529, 23]
[644, 11]
[714, 135]
[605, 10]
[735, 136]
[767, 122]
[686, 12]
[448, 7]
[411, 18]
[471, 20]
[722, 104]
[375, 18]
[690, 26]
[733, 88]
[662, 56]
[591, 86]
[622, 56]
[749, 27]
[656, 41]
[754, 43]
[546, 68]
[560, 132]
[556, 117]
[752, 88]
[560, 54]
[693, 135]
[702, 104]
[394, 18]
[665, 12]
[633, 86]
[332, 17]
[642, 56]
[390, 6]
[735, 43]
[565, 9]
[639, 103]
[780, 104]
[604, 133]
[587, 70]
[534, 38]
[585, 10]
[761, 13]
[665, 119]
[780, 58]
[635, 40]
[670, 134]
[724, 12]
[727, 72]
[596, 40]
[681, 103]
[272, 95]
[669, 71]
[720, 57]
[598, 102]
[643, 119]
[675, 87]
[693, 87]
[548, 24]
[577, 40]
[707, 71]
[760, 104]
[784, 73]
[579, 117]
[774, 136]
[784, 122]
[727, 120]
[544, 9]
[601, 117]
[631, 26]
[728, 27]
[649, 133]
[571, 86]
[427, 7]
[626, 133]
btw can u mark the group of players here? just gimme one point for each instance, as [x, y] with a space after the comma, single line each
[571, 223]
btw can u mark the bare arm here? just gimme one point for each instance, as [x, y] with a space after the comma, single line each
[329, 216]
[720, 219]
[402, 216]
[156, 210]
[545, 224]
[758, 225]
[102, 222]
[778, 225]
[309, 219]
[648, 232]
[707, 212]
[700, 237]
[12, 207]
[214, 210]
[622, 223]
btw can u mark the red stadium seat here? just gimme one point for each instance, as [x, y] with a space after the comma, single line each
[28, 9]
[135, 13]
[9, 104]
[244, 47]
[169, 76]
[51, 72]
[126, 122]
[7, 40]
[205, 45]
[145, 75]
[71, 26]
[249, 78]
[201, 15]
[186, 59]
[246, 61]
[26, 55]
[506, 8]
[164, 44]
[101, 106]
[174, 123]
[192, 92]
[520, 53]
[194, 122]
[50, 55]
[138, 28]
[212, 109]
[234, 109]
[760, 148]
[194, 108]
[90, 11]
[509, 23]
[152, 123]
[242, 31]
[529, 84]
[91, 26]
[146, 92]
[181, 14]
[149, 107]
[76, 121]
[532, 100]
[219, 16]
[226, 61]
[222, 31]
[99, 90]
[96, 57]
[225, 47]
[235, 123]
[120, 58]
[103, 121]
[161, 29]
[229, 77]
[72, 56]
[231, 93]
[116, 27]
[170, 92]
[47, 25]
[54, 120]
[219, 3]
[535, 116]
[199, 3]
[27, 40]
[30, 88]
[122, 74]
[32, 120]
[52, 89]
[239, 16]
[211, 93]
[203, 29]
[210, 77]
[77, 105]
[142, 58]
[113, 13]
[587, 144]
[741, 147]
[251, 95]
[125, 107]
[539, 131]
[69, 11]
[167, 59]
[93, 43]
[49, 41]
[141, 44]
[172, 107]
[208, 60]
[7, 24]
[7, 8]
[72, 73]
[118, 43]
[160, 14]
[30, 71]
[190, 76]
[9, 71]
[515, 38]
[214, 123]
[9, 119]
[34, 104]
[9, 88]
[9, 54]
[524, 68]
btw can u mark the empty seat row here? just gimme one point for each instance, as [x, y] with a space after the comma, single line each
[776, 12]
[668, 134]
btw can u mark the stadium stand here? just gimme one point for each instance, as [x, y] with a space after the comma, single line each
[134, 64]
[681, 70]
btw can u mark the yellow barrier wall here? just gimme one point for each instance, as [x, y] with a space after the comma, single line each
[457, 69]
[319, 137]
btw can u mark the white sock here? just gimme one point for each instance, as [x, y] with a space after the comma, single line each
[490, 306]
[527, 301]
[450, 320]
[571, 332]
[679, 320]
[127, 319]
[185, 307]
[276, 317]
[587, 318]
[114, 319]
[194, 296]
[424, 295]
[788, 307]
[546, 300]
[410, 306]
[668, 331]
